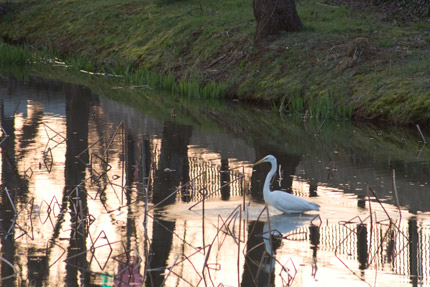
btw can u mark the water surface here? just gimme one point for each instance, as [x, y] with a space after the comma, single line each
[162, 190]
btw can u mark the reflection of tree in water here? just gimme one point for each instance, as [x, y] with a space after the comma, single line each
[11, 181]
[37, 267]
[225, 179]
[37, 264]
[30, 128]
[314, 240]
[362, 251]
[17, 191]
[77, 115]
[128, 271]
[414, 252]
[173, 165]
[173, 169]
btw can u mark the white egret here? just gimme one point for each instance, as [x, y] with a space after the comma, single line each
[282, 200]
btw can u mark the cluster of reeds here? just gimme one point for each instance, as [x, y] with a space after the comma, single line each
[136, 76]
[320, 107]
[14, 55]
[141, 77]
[190, 88]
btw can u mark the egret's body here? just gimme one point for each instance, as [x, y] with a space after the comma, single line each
[282, 200]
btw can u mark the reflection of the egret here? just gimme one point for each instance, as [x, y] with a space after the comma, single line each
[261, 261]
[285, 223]
[281, 224]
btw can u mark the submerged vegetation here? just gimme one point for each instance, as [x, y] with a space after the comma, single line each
[348, 62]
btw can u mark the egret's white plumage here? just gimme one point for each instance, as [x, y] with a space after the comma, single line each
[282, 200]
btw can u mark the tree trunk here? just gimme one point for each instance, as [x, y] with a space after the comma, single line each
[273, 16]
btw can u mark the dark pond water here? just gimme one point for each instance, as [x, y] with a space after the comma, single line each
[162, 191]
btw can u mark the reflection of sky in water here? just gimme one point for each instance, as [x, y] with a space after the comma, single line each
[126, 158]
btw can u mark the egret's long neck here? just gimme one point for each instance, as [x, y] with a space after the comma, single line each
[269, 176]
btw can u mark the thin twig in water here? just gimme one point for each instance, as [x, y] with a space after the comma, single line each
[181, 277]
[25, 232]
[380, 203]
[270, 239]
[420, 150]
[322, 124]
[203, 212]
[243, 190]
[47, 252]
[10, 200]
[187, 258]
[370, 211]
[290, 280]
[120, 125]
[238, 248]
[15, 270]
[316, 217]
[422, 136]
[52, 138]
[4, 135]
[396, 196]
[170, 270]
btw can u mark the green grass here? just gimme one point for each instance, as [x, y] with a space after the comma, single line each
[202, 49]
[14, 55]
[384, 43]
[323, 19]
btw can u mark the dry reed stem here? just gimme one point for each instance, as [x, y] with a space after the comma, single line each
[291, 279]
[47, 162]
[182, 278]
[25, 232]
[316, 217]
[170, 270]
[15, 270]
[187, 258]
[421, 134]
[396, 195]
[52, 138]
[203, 215]
[47, 253]
[10, 200]
[120, 126]
[93, 248]
[4, 135]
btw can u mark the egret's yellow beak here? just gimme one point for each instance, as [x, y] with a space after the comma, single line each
[260, 161]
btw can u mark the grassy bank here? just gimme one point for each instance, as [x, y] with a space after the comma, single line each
[197, 43]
